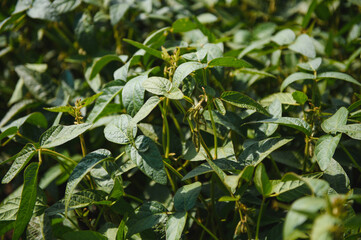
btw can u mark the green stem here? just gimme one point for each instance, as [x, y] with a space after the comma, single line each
[82, 144]
[170, 167]
[133, 197]
[351, 157]
[98, 218]
[204, 227]
[53, 153]
[171, 180]
[39, 156]
[275, 167]
[259, 218]
[214, 131]
[27, 139]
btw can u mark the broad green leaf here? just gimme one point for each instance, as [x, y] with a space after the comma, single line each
[133, 94]
[183, 25]
[175, 225]
[295, 77]
[298, 213]
[28, 199]
[312, 65]
[42, 9]
[83, 235]
[295, 123]
[39, 85]
[117, 130]
[121, 232]
[8, 132]
[147, 216]
[324, 226]
[225, 152]
[185, 198]
[275, 109]
[89, 100]
[162, 86]
[353, 222]
[64, 6]
[261, 180]
[184, 70]
[324, 150]
[146, 109]
[304, 46]
[60, 134]
[285, 185]
[151, 51]
[223, 164]
[337, 120]
[336, 176]
[338, 75]
[243, 101]
[219, 105]
[228, 62]
[83, 167]
[300, 97]
[85, 30]
[255, 153]
[39, 227]
[79, 200]
[284, 37]
[255, 45]
[100, 63]
[22, 158]
[62, 109]
[351, 130]
[109, 92]
[284, 98]
[34, 118]
[146, 156]
[17, 108]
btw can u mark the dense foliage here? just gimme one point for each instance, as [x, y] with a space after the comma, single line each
[175, 119]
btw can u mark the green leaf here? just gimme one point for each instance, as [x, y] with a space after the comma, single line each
[43, 9]
[337, 120]
[151, 51]
[83, 167]
[311, 8]
[117, 10]
[261, 180]
[100, 63]
[28, 199]
[175, 225]
[228, 62]
[351, 130]
[64, 6]
[117, 130]
[312, 65]
[184, 70]
[109, 92]
[89, 100]
[324, 150]
[121, 232]
[147, 216]
[284, 37]
[338, 75]
[185, 198]
[66, 109]
[300, 97]
[255, 153]
[284, 98]
[8, 132]
[183, 25]
[243, 101]
[133, 94]
[22, 158]
[219, 105]
[275, 109]
[60, 134]
[304, 46]
[336, 176]
[295, 123]
[162, 86]
[17, 108]
[298, 213]
[83, 235]
[295, 77]
[39, 227]
[9, 22]
[256, 72]
[35, 118]
[323, 227]
[223, 164]
[146, 156]
[79, 200]
[39, 85]
[146, 109]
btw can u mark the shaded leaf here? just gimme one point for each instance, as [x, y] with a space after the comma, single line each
[175, 225]
[149, 50]
[162, 86]
[146, 109]
[295, 123]
[229, 62]
[338, 75]
[337, 120]
[184, 70]
[100, 63]
[336, 176]
[183, 25]
[83, 235]
[243, 101]
[185, 198]
[261, 181]
[304, 46]
[117, 130]
[300, 97]
[295, 77]
[311, 65]
[17, 108]
[133, 94]
[284, 37]
[324, 150]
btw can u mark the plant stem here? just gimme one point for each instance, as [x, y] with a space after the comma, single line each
[133, 197]
[204, 227]
[27, 139]
[170, 180]
[82, 144]
[259, 217]
[53, 153]
[39, 156]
